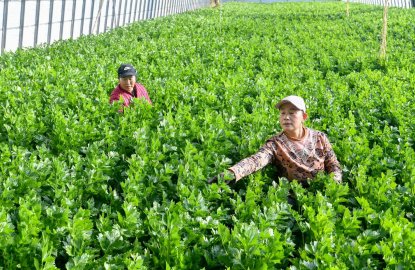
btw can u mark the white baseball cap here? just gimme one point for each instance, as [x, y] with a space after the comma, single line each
[297, 101]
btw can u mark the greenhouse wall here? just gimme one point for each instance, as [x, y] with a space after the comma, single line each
[275, 1]
[29, 23]
[391, 3]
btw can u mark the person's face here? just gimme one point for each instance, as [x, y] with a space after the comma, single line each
[127, 83]
[291, 118]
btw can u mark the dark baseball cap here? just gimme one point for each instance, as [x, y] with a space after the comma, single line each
[126, 70]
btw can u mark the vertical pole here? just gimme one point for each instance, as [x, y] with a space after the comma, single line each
[159, 6]
[51, 6]
[125, 12]
[384, 30]
[130, 12]
[83, 18]
[5, 12]
[37, 21]
[62, 18]
[21, 28]
[145, 9]
[135, 10]
[141, 11]
[347, 8]
[119, 13]
[91, 16]
[98, 21]
[167, 7]
[163, 8]
[73, 17]
[156, 9]
[148, 14]
[173, 6]
[153, 9]
[113, 22]
[106, 16]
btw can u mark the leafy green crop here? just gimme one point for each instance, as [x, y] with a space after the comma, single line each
[85, 187]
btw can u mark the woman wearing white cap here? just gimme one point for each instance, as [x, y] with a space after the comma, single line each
[298, 152]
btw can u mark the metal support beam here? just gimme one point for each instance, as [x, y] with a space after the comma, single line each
[113, 22]
[148, 14]
[142, 9]
[82, 18]
[37, 18]
[125, 12]
[106, 16]
[62, 19]
[91, 17]
[152, 9]
[50, 22]
[73, 17]
[119, 14]
[135, 10]
[4, 29]
[97, 23]
[130, 12]
[21, 26]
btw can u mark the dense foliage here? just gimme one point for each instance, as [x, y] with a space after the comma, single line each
[84, 187]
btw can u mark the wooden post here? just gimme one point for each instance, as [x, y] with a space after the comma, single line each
[384, 31]
[347, 8]
[214, 3]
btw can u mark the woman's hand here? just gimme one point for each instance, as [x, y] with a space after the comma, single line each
[227, 177]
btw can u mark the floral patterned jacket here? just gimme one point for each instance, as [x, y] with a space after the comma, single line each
[295, 159]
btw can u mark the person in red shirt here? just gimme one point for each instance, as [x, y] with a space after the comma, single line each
[128, 88]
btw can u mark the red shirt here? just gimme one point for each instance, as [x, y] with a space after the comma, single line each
[138, 92]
